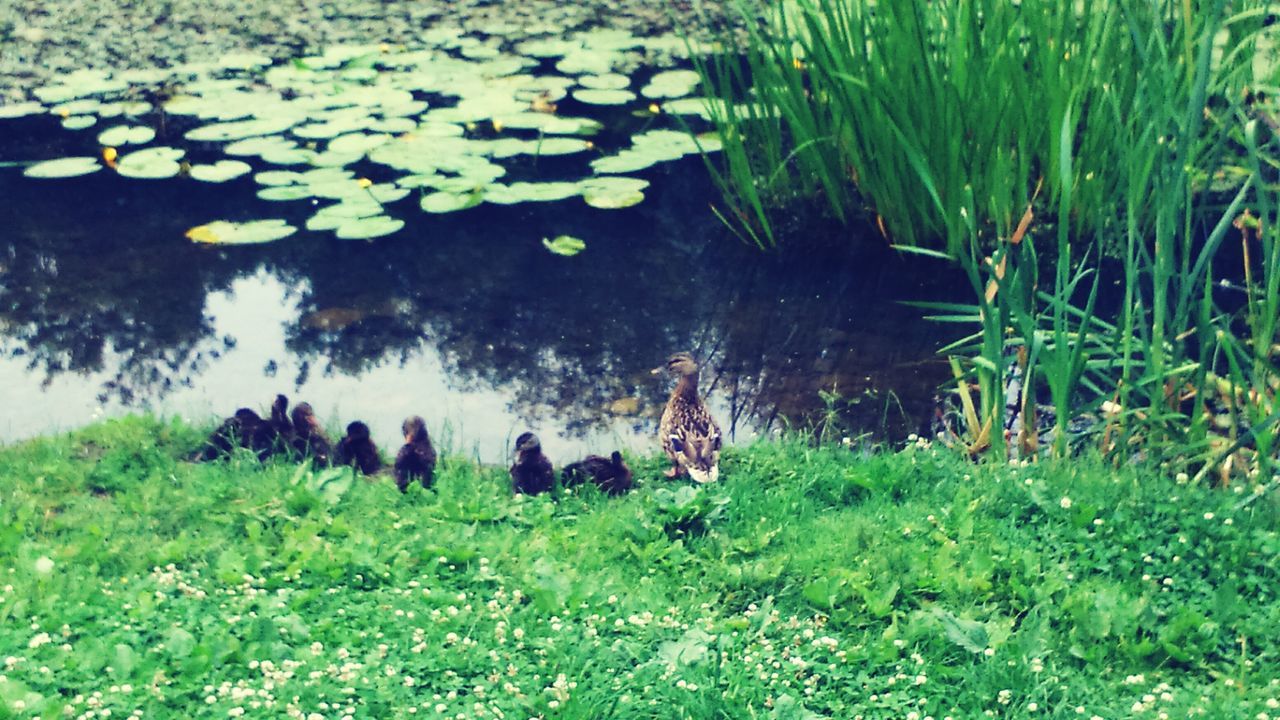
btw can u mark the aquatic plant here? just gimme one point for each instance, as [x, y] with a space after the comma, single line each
[448, 118]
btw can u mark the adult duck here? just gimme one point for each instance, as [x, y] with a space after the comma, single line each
[690, 436]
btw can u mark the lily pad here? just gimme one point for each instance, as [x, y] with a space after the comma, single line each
[79, 122]
[370, 227]
[284, 192]
[444, 202]
[671, 84]
[17, 110]
[610, 81]
[222, 232]
[603, 97]
[126, 135]
[530, 192]
[241, 129]
[221, 171]
[151, 164]
[565, 245]
[64, 167]
[612, 193]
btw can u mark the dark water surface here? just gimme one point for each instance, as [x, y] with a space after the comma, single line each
[105, 308]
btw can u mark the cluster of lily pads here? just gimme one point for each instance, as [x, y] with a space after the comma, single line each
[445, 120]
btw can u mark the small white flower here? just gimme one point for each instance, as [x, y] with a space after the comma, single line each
[1065, 503]
[1208, 516]
[44, 565]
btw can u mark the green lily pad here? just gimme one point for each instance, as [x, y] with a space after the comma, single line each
[284, 192]
[240, 129]
[565, 245]
[603, 97]
[610, 81]
[530, 192]
[369, 227]
[126, 135]
[331, 217]
[612, 193]
[278, 177]
[510, 147]
[79, 122]
[356, 143]
[17, 110]
[63, 167]
[259, 145]
[671, 84]
[444, 202]
[221, 171]
[155, 163]
[222, 232]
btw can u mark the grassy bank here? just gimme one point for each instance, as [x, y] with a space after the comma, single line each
[807, 583]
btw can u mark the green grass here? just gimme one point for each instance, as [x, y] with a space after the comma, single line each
[810, 582]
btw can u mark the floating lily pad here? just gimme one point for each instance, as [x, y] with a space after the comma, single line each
[444, 202]
[63, 167]
[530, 192]
[284, 192]
[222, 232]
[370, 227]
[221, 171]
[565, 245]
[18, 110]
[603, 97]
[612, 193]
[671, 84]
[278, 177]
[79, 122]
[240, 129]
[610, 81]
[126, 135]
[356, 143]
[258, 146]
[151, 164]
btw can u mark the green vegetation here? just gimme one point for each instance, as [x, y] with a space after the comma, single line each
[1041, 145]
[811, 582]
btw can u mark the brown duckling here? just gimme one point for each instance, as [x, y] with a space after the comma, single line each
[417, 459]
[610, 474]
[244, 429]
[690, 436]
[531, 474]
[309, 440]
[277, 433]
[357, 449]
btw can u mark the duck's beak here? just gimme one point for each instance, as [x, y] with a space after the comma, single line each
[657, 371]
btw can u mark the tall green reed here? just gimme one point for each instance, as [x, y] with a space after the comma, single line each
[945, 119]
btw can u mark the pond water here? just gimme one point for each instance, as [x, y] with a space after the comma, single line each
[465, 317]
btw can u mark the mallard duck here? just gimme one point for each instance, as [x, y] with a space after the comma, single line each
[358, 449]
[610, 474]
[309, 440]
[417, 459]
[244, 429]
[690, 436]
[531, 474]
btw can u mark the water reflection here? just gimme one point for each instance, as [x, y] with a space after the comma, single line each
[105, 307]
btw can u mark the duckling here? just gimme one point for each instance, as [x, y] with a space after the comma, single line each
[531, 474]
[277, 433]
[309, 440]
[610, 474]
[417, 458]
[358, 449]
[689, 435]
[244, 429]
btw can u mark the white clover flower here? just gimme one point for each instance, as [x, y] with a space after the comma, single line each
[1065, 503]
[44, 565]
